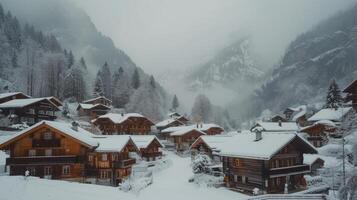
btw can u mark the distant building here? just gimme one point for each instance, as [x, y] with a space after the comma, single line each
[277, 126]
[351, 93]
[149, 146]
[99, 100]
[314, 161]
[209, 129]
[5, 97]
[172, 122]
[318, 132]
[92, 110]
[331, 114]
[184, 138]
[123, 124]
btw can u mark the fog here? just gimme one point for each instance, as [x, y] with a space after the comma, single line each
[162, 35]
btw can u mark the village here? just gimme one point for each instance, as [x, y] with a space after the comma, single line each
[296, 152]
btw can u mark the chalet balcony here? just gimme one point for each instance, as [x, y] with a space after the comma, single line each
[46, 143]
[124, 163]
[152, 154]
[41, 160]
[291, 170]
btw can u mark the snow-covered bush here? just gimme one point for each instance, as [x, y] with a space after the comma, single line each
[349, 191]
[206, 180]
[136, 184]
[201, 163]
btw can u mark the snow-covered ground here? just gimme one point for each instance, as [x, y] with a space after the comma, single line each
[171, 183]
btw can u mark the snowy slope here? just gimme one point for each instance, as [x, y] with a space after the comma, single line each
[172, 183]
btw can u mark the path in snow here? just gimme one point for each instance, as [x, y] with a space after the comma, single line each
[170, 183]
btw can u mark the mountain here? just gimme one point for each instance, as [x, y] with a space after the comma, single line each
[76, 33]
[328, 51]
[230, 67]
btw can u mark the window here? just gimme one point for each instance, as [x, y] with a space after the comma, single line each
[47, 136]
[114, 156]
[48, 152]
[90, 158]
[237, 162]
[235, 178]
[66, 170]
[104, 157]
[50, 113]
[105, 174]
[31, 111]
[41, 112]
[47, 171]
[32, 152]
[244, 179]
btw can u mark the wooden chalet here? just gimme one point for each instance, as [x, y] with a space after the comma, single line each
[30, 111]
[92, 110]
[112, 160]
[184, 138]
[50, 150]
[172, 122]
[5, 97]
[123, 124]
[318, 132]
[266, 161]
[179, 117]
[99, 100]
[55, 101]
[149, 145]
[277, 126]
[209, 145]
[314, 161]
[296, 114]
[351, 93]
[209, 129]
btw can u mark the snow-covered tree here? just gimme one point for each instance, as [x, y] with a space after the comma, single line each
[70, 60]
[82, 63]
[121, 88]
[201, 163]
[334, 98]
[106, 80]
[202, 109]
[349, 191]
[98, 86]
[135, 80]
[152, 81]
[75, 86]
[175, 103]
[65, 109]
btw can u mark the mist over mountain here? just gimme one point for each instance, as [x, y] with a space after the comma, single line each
[328, 51]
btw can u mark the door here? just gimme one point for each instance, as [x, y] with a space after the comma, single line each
[47, 174]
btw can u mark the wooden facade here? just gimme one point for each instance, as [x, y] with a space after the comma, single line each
[110, 167]
[318, 134]
[5, 97]
[152, 151]
[132, 125]
[39, 109]
[48, 153]
[93, 111]
[213, 131]
[351, 93]
[99, 100]
[269, 175]
[185, 140]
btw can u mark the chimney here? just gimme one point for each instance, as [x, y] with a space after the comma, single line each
[258, 133]
[279, 123]
[75, 126]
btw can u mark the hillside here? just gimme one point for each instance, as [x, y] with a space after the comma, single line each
[326, 52]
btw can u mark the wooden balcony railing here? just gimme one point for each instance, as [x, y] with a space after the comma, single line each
[297, 169]
[46, 143]
[44, 160]
[124, 163]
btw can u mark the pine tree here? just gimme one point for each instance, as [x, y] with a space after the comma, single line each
[98, 86]
[202, 109]
[175, 103]
[135, 80]
[106, 80]
[121, 89]
[83, 63]
[70, 61]
[152, 81]
[334, 98]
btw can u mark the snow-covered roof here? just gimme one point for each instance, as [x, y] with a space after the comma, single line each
[87, 106]
[215, 142]
[9, 94]
[350, 86]
[274, 126]
[19, 103]
[245, 146]
[111, 143]
[301, 111]
[184, 131]
[100, 97]
[143, 141]
[309, 159]
[200, 127]
[119, 118]
[330, 114]
[81, 134]
[167, 122]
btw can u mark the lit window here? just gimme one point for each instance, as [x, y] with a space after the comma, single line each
[104, 157]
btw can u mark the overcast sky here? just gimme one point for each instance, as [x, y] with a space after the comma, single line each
[165, 34]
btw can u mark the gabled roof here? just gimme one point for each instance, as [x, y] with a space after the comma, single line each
[96, 98]
[301, 111]
[275, 127]
[9, 94]
[120, 118]
[185, 131]
[20, 103]
[86, 106]
[309, 159]
[167, 122]
[54, 100]
[330, 114]
[143, 141]
[112, 143]
[214, 142]
[244, 145]
[200, 127]
[350, 87]
[81, 135]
